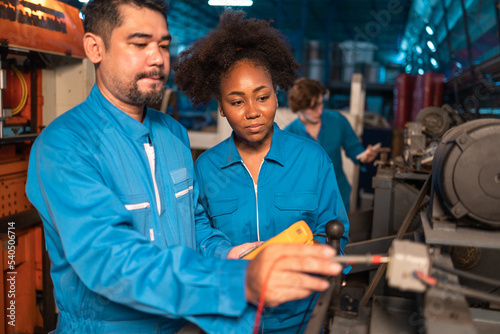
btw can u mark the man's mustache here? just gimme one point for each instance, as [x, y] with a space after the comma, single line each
[154, 74]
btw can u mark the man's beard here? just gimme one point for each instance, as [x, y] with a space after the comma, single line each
[151, 97]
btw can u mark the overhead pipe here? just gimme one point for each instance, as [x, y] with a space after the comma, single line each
[3, 111]
[497, 16]
[450, 50]
[279, 14]
[34, 98]
[303, 27]
[327, 54]
[469, 49]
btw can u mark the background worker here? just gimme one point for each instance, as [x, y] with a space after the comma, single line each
[328, 128]
[260, 180]
[113, 182]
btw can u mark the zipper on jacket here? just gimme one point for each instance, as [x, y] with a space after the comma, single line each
[150, 152]
[256, 196]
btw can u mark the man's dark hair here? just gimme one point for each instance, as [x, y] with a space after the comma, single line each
[305, 94]
[101, 17]
[200, 68]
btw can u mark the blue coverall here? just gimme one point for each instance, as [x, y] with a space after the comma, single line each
[335, 133]
[118, 202]
[296, 182]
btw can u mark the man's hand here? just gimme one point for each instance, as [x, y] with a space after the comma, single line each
[290, 266]
[369, 154]
[236, 251]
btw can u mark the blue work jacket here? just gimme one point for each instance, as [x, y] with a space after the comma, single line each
[118, 202]
[335, 133]
[296, 182]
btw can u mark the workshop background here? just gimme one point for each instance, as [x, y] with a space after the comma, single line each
[406, 73]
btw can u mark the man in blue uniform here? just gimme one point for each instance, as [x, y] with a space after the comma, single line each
[113, 183]
[328, 128]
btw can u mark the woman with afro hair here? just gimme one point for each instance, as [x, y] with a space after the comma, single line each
[260, 180]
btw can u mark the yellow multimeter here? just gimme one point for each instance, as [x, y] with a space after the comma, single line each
[298, 233]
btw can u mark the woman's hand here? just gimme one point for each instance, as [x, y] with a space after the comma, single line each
[236, 251]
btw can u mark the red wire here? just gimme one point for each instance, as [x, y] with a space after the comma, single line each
[260, 306]
[426, 278]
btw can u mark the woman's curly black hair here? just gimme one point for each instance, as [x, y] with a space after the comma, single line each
[200, 68]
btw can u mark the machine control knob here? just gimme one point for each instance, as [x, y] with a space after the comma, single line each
[334, 231]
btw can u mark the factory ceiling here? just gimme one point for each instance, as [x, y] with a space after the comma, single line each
[398, 28]
[379, 22]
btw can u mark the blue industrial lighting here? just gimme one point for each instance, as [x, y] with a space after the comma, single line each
[84, 1]
[420, 61]
[408, 69]
[418, 49]
[489, 111]
[434, 62]
[236, 3]
[401, 56]
[431, 46]
[404, 44]
[420, 71]
[429, 30]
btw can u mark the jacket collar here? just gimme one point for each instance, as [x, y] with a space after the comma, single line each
[118, 119]
[275, 152]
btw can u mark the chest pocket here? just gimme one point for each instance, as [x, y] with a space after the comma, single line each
[182, 183]
[183, 192]
[140, 209]
[306, 201]
[221, 210]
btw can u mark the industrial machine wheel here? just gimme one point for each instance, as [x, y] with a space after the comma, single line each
[466, 172]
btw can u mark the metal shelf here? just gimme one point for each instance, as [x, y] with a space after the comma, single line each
[338, 87]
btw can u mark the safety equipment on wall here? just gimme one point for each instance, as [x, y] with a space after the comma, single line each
[24, 88]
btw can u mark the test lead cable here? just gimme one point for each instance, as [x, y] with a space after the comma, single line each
[361, 259]
[467, 292]
[465, 274]
[348, 259]
[260, 307]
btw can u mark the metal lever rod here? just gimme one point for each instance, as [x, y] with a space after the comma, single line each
[402, 230]
[326, 305]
